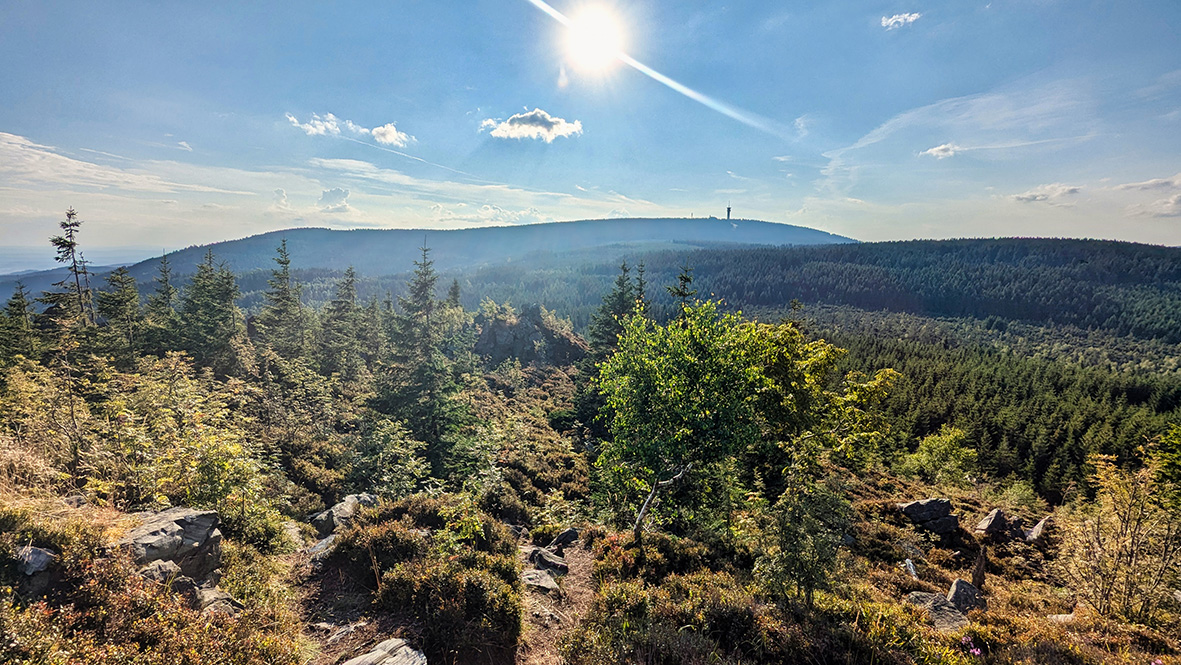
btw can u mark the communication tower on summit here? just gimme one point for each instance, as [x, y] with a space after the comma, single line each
[727, 211]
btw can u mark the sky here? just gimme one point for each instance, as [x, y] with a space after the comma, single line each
[168, 124]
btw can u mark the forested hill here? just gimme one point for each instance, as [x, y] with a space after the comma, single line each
[376, 252]
[1123, 288]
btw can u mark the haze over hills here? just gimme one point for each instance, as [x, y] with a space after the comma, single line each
[375, 252]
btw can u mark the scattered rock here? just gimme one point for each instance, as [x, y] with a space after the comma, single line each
[1035, 535]
[341, 515]
[544, 559]
[341, 633]
[160, 571]
[908, 565]
[519, 531]
[545, 616]
[216, 601]
[322, 548]
[1177, 595]
[75, 501]
[943, 614]
[187, 537]
[980, 568]
[32, 560]
[993, 524]
[565, 538]
[390, 652]
[1062, 618]
[934, 515]
[540, 580]
[966, 597]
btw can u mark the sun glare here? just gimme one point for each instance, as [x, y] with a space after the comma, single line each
[595, 39]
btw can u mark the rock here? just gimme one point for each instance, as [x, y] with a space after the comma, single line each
[1035, 535]
[519, 531]
[980, 568]
[160, 571]
[390, 652]
[75, 501]
[341, 515]
[545, 616]
[32, 560]
[943, 614]
[540, 580]
[528, 337]
[1061, 618]
[544, 559]
[187, 537]
[993, 524]
[294, 533]
[322, 548]
[216, 601]
[1177, 595]
[944, 526]
[565, 538]
[908, 565]
[926, 510]
[966, 597]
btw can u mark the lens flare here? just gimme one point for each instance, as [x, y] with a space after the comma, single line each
[594, 40]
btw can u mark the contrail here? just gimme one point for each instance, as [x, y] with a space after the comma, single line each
[747, 118]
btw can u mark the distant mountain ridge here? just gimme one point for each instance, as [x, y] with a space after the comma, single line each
[375, 252]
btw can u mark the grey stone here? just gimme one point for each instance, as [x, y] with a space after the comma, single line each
[341, 515]
[216, 601]
[942, 526]
[390, 652]
[160, 571]
[1038, 532]
[32, 560]
[966, 597]
[294, 534]
[926, 510]
[188, 537]
[322, 548]
[75, 501]
[993, 524]
[1177, 595]
[519, 531]
[908, 565]
[945, 616]
[1061, 618]
[565, 538]
[544, 559]
[540, 580]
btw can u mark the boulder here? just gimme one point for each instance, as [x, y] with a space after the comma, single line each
[519, 531]
[160, 571]
[565, 538]
[216, 601]
[1035, 535]
[322, 548]
[945, 616]
[390, 652]
[1177, 595]
[189, 538]
[966, 597]
[547, 560]
[539, 580]
[32, 560]
[944, 526]
[530, 337]
[75, 501]
[993, 524]
[926, 510]
[341, 515]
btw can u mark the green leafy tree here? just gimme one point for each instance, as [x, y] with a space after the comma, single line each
[118, 307]
[281, 324]
[807, 527]
[942, 459]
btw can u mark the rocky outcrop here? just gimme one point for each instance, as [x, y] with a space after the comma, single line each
[1035, 535]
[934, 515]
[216, 601]
[186, 537]
[539, 580]
[545, 559]
[1000, 528]
[966, 597]
[945, 616]
[341, 515]
[563, 539]
[32, 560]
[527, 337]
[390, 652]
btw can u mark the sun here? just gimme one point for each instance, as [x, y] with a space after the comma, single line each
[594, 39]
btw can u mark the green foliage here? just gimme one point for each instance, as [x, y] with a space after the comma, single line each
[17, 335]
[161, 320]
[211, 327]
[807, 527]
[340, 348]
[282, 324]
[941, 459]
[389, 463]
[118, 309]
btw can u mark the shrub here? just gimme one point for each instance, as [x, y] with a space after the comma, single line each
[943, 458]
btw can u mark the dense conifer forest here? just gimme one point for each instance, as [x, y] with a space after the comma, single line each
[707, 455]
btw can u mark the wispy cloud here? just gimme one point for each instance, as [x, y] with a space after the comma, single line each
[898, 20]
[1157, 183]
[1053, 194]
[330, 125]
[184, 145]
[487, 215]
[535, 124]
[943, 151]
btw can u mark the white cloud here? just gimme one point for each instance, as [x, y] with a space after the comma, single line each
[184, 145]
[1158, 183]
[943, 151]
[1053, 194]
[330, 125]
[535, 124]
[487, 215]
[333, 200]
[388, 134]
[1170, 207]
[898, 20]
[782, 158]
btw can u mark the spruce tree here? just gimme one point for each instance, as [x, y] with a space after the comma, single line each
[118, 307]
[71, 305]
[340, 349]
[281, 323]
[161, 320]
[210, 321]
[17, 335]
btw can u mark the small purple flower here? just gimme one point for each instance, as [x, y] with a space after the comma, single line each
[975, 652]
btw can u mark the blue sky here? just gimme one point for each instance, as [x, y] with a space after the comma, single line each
[167, 124]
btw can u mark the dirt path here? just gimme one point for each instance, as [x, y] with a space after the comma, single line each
[549, 616]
